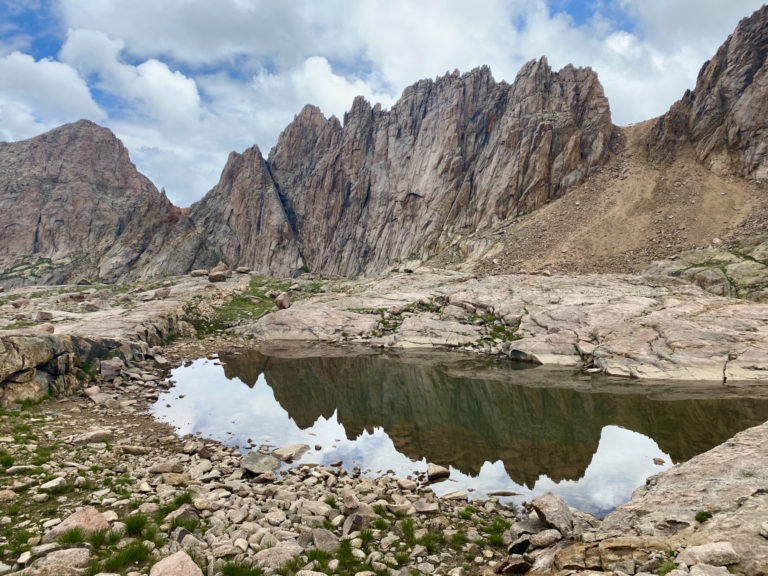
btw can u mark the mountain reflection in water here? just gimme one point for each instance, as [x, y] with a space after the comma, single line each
[499, 427]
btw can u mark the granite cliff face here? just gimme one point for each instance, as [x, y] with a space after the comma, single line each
[451, 156]
[244, 217]
[725, 117]
[74, 208]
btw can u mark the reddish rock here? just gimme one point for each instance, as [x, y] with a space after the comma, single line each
[88, 519]
[283, 301]
[217, 276]
[178, 564]
[7, 495]
[73, 195]
[452, 156]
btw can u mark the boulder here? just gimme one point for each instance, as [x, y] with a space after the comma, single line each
[436, 472]
[554, 512]
[72, 558]
[178, 564]
[278, 555]
[714, 554]
[199, 273]
[283, 301]
[87, 519]
[325, 540]
[257, 463]
[290, 453]
[217, 276]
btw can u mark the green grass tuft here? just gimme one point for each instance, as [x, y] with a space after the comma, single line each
[135, 523]
[71, 536]
[134, 554]
[458, 540]
[380, 524]
[190, 524]
[409, 532]
[666, 567]
[703, 516]
[238, 569]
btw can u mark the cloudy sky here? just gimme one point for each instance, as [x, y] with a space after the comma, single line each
[184, 82]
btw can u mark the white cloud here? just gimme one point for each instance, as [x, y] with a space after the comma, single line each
[151, 90]
[37, 95]
[314, 82]
[197, 32]
[186, 81]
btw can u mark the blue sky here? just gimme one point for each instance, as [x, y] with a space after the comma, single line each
[184, 82]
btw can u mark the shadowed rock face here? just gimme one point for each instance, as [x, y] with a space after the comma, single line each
[464, 413]
[451, 156]
[725, 117]
[73, 207]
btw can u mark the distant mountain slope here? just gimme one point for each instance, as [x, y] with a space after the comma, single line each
[726, 116]
[74, 208]
[462, 170]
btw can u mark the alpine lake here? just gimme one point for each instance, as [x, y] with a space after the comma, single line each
[504, 429]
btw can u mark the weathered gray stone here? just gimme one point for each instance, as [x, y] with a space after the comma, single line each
[436, 472]
[257, 463]
[714, 554]
[290, 453]
[553, 511]
[325, 540]
[69, 558]
[278, 555]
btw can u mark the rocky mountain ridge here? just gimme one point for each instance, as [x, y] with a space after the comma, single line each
[451, 156]
[445, 174]
[73, 208]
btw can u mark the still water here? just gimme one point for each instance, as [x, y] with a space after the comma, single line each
[498, 426]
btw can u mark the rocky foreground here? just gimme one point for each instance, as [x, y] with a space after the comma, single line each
[92, 484]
